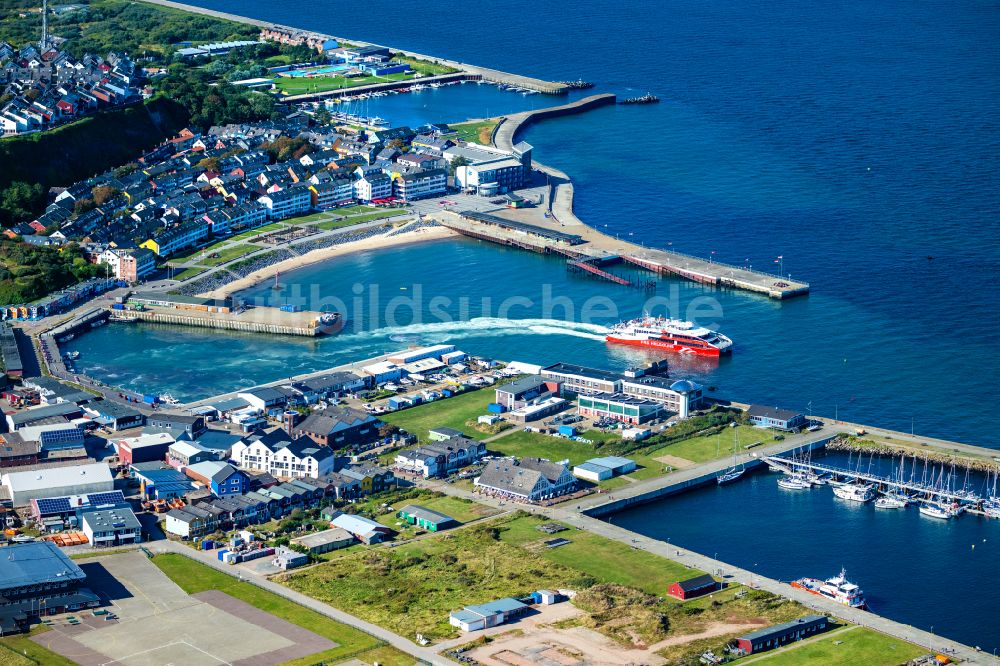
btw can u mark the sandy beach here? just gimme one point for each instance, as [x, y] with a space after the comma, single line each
[376, 243]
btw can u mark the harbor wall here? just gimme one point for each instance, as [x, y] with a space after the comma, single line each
[219, 323]
[680, 486]
[505, 135]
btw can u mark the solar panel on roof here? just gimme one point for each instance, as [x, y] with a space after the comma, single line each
[53, 505]
[100, 499]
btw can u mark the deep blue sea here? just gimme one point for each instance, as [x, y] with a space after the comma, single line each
[859, 141]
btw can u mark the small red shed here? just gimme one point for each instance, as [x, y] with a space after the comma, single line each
[693, 587]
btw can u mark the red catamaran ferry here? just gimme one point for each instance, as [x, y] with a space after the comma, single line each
[672, 335]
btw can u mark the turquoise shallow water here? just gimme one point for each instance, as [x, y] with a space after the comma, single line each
[858, 141]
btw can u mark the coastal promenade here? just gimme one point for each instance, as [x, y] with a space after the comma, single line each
[484, 73]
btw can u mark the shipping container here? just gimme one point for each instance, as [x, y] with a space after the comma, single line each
[496, 408]
[567, 430]
[117, 306]
[222, 555]
[150, 399]
[207, 544]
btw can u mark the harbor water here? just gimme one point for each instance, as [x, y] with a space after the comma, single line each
[923, 571]
[857, 142]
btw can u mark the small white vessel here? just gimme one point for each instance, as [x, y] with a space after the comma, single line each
[855, 492]
[793, 483]
[935, 511]
[888, 502]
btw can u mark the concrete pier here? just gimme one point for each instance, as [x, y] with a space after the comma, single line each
[251, 320]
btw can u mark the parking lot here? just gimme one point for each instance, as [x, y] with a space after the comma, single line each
[159, 624]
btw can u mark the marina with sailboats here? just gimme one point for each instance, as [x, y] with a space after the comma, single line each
[939, 490]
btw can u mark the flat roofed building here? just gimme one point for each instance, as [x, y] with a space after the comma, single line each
[520, 392]
[781, 634]
[111, 527]
[37, 578]
[325, 541]
[619, 407]
[601, 469]
[58, 481]
[583, 380]
[144, 448]
[364, 529]
[678, 396]
[484, 616]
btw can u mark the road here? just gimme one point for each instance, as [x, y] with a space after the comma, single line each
[425, 654]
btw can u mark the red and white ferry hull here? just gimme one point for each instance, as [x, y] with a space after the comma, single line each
[667, 346]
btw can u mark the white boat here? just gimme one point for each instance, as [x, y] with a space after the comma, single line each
[888, 502]
[855, 492]
[734, 472]
[793, 483]
[935, 511]
[838, 589]
[168, 399]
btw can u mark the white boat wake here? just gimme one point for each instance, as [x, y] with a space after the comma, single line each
[485, 327]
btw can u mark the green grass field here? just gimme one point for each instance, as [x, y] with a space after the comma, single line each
[449, 412]
[480, 132]
[194, 577]
[703, 449]
[190, 272]
[358, 219]
[857, 645]
[414, 586]
[607, 561]
[304, 85]
[425, 67]
[274, 226]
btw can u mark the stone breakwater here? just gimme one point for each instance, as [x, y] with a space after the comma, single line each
[856, 444]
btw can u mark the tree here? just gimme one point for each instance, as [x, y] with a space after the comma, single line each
[83, 205]
[104, 193]
[18, 202]
[209, 164]
[387, 430]
[322, 117]
[459, 161]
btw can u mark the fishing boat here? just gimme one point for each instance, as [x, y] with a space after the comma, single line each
[73, 355]
[837, 589]
[168, 399]
[672, 335]
[991, 507]
[98, 323]
[855, 492]
[793, 483]
[935, 511]
[734, 472]
[889, 502]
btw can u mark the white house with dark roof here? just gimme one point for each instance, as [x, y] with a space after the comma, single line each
[281, 455]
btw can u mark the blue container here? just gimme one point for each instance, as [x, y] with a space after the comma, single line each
[221, 554]
[567, 430]
[207, 544]
[496, 408]
[536, 597]
[118, 306]
[447, 393]
[150, 399]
